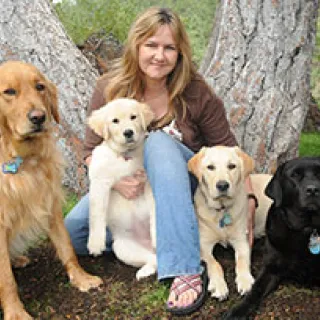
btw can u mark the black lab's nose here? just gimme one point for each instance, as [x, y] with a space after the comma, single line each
[222, 185]
[312, 190]
[128, 133]
[37, 116]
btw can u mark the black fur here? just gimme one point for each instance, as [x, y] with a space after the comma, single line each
[293, 216]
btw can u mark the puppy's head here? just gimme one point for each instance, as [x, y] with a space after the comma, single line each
[220, 171]
[122, 122]
[296, 184]
[28, 100]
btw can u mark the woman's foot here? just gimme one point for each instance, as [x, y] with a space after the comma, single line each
[187, 293]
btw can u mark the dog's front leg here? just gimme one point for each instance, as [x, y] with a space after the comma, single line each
[217, 284]
[11, 304]
[99, 202]
[61, 240]
[244, 278]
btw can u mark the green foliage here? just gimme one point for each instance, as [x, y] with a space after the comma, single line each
[309, 144]
[116, 16]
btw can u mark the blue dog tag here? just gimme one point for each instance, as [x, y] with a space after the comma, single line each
[226, 220]
[314, 242]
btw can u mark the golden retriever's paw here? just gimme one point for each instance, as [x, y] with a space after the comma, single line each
[20, 262]
[85, 281]
[218, 288]
[96, 246]
[244, 283]
[16, 314]
[146, 271]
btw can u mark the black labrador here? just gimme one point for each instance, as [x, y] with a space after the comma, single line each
[292, 244]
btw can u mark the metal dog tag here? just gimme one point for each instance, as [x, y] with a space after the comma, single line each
[226, 220]
[314, 242]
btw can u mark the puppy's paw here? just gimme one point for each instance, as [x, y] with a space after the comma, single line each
[218, 288]
[146, 271]
[96, 245]
[83, 280]
[244, 283]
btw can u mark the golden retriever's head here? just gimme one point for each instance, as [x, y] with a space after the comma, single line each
[220, 171]
[28, 101]
[122, 123]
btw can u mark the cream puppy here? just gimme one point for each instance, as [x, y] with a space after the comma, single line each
[122, 123]
[222, 206]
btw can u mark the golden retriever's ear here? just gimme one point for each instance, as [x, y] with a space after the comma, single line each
[97, 123]
[194, 163]
[248, 162]
[52, 97]
[146, 115]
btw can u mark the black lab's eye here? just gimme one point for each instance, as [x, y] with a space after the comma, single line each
[210, 167]
[133, 117]
[10, 92]
[40, 86]
[297, 174]
[231, 166]
[115, 120]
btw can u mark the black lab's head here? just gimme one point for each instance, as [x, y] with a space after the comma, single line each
[296, 184]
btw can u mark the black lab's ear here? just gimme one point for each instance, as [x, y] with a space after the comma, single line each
[274, 188]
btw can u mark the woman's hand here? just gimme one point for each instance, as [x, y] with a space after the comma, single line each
[131, 187]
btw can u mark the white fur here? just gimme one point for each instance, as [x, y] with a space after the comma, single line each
[132, 222]
[232, 165]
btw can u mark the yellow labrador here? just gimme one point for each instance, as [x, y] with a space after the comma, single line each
[122, 123]
[222, 205]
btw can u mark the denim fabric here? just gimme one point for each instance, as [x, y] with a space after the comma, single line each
[178, 249]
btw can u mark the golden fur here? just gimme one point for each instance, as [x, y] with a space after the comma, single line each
[31, 198]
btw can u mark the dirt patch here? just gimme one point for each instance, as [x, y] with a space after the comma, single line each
[47, 294]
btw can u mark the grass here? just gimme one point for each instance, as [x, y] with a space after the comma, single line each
[309, 144]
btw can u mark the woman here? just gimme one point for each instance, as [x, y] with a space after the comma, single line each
[156, 68]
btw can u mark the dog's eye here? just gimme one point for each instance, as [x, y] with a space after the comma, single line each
[40, 86]
[231, 166]
[115, 120]
[10, 92]
[210, 167]
[133, 117]
[296, 174]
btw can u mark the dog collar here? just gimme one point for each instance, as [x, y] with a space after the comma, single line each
[314, 242]
[12, 166]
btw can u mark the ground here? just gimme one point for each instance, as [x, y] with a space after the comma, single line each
[47, 294]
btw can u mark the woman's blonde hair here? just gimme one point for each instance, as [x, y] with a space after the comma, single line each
[125, 79]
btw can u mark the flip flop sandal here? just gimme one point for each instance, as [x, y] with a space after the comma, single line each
[182, 284]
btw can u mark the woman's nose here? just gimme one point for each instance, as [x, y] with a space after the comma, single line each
[159, 55]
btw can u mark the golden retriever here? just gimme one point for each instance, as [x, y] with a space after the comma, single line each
[122, 123]
[30, 180]
[222, 205]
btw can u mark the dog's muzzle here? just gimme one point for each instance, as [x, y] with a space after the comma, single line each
[37, 118]
[129, 135]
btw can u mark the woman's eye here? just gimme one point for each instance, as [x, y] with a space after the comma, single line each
[10, 92]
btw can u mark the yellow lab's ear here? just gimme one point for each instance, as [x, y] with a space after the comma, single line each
[194, 163]
[248, 162]
[146, 115]
[52, 100]
[97, 123]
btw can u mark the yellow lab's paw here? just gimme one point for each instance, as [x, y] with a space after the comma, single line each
[16, 314]
[85, 281]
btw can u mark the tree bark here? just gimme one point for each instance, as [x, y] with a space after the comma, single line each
[31, 31]
[258, 61]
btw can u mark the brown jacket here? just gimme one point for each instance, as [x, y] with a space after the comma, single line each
[205, 123]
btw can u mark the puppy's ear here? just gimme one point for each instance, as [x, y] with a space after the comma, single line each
[248, 162]
[52, 100]
[273, 189]
[96, 121]
[146, 115]
[194, 163]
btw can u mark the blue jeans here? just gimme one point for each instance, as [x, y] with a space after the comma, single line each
[178, 249]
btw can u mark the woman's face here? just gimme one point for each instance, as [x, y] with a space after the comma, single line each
[158, 54]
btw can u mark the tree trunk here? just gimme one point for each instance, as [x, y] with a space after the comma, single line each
[258, 62]
[31, 31]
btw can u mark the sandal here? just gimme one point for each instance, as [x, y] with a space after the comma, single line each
[181, 284]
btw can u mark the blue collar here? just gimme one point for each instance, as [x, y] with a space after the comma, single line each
[12, 166]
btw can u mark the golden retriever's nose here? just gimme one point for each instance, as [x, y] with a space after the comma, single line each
[37, 117]
[222, 185]
[128, 133]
